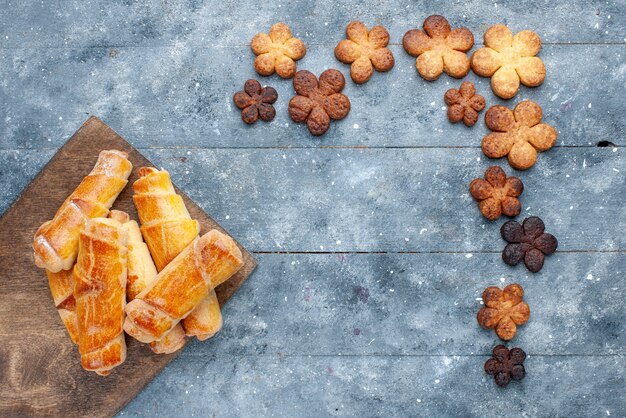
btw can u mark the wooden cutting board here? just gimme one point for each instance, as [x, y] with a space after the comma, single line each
[40, 372]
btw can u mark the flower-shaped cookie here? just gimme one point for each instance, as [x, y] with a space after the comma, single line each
[527, 242]
[316, 103]
[506, 365]
[518, 134]
[509, 60]
[497, 194]
[464, 104]
[277, 51]
[439, 48]
[503, 310]
[256, 101]
[365, 50]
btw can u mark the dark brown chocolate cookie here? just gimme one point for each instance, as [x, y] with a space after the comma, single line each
[464, 104]
[506, 365]
[527, 242]
[256, 102]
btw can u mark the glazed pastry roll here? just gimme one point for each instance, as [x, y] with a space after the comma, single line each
[141, 273]
[55, 243]
[166, 225]
[204, 264]
[206, 320]
[62, 289]
[100, 293]
[167, 228]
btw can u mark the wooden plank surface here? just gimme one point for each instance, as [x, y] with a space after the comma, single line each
[377, 199]
[146, 23]
[40, 367]
[194, 90]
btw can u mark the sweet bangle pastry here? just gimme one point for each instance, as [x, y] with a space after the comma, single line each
[62, 290]
[204, 264]
[55, 243]
[167, 228]
[205, 320]
[166, 225]
[141, 273]
[100, 292]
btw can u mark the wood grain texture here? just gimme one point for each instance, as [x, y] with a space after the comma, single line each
[40, 370]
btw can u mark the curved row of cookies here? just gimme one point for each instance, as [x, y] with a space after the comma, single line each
[96, 261]
[509, 60]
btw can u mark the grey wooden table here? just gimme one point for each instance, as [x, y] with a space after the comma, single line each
[372, 255]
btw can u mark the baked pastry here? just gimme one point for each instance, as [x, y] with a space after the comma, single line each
[141, 273]
[206, 320]
[528, 242]
[62, 289]
[464, 104]
[518, 134]
[100, 292]
[439, 48]
[365, 50]
[180, 287]
[56, 241]
[509, 60]
[256, 102]
[166, 225]
[504, 310]
[316, 103]
[277, 51]
[497, 194]
[506, 365]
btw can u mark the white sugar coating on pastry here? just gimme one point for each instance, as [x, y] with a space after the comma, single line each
[182, 285]
[100, 293]
[55, 243]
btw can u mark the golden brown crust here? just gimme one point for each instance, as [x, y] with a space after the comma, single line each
[504, 310]
[55, 243]
[365, 50]
[100, 293]
[171, 342]
[181, 285]
[206, 320]
[497, 194]
[166, 225]
[62, 290]
[277, 52]
[316, 103]
[439, 48]
[509, 60]
[464, 104]
[518, 134]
